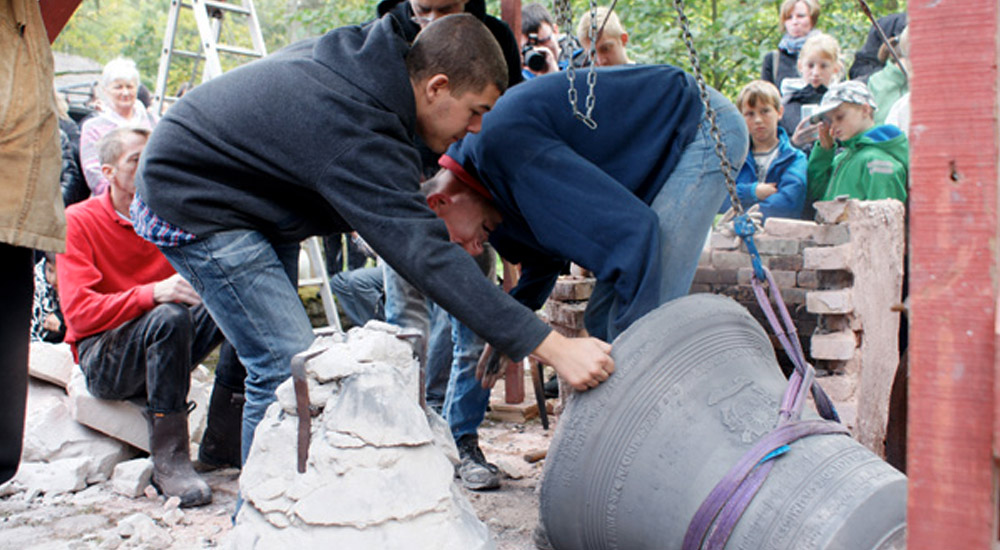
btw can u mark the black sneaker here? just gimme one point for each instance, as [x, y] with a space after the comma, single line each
[476, 473]
[551, 388]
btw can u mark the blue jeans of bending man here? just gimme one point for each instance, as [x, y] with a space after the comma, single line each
[686, 206]
[359, 293]
[453, 350]
[250, 286]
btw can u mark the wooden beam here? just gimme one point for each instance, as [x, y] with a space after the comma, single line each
[510, 12]
[953, 271]
[56, 14]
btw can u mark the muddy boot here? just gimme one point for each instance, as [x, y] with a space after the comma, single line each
[173, 474]
[220, 446]
[476, 473]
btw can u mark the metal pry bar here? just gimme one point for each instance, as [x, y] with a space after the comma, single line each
[302, 402]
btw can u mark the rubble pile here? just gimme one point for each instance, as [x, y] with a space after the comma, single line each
[380, 472]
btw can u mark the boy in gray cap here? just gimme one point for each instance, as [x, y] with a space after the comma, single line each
[855, 157]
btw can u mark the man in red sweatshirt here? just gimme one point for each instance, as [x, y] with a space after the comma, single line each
[138, 329]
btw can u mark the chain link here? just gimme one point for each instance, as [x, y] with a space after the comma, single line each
[564, 18]
[720, 147]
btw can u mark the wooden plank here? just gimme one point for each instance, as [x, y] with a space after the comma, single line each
[510, 12]
[56, 14]
[953, 263]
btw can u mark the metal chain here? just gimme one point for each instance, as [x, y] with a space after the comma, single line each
[564, 18]
[720, 147]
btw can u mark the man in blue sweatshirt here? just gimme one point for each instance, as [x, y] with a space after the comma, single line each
[319, 139]
[631, 200]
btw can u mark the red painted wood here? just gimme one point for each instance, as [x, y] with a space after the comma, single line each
[513, 383]
[953, 266]
[56, 14]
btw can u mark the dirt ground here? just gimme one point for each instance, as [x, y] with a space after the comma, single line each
[91, 518]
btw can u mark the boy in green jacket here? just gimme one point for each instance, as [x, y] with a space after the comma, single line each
[855, 157]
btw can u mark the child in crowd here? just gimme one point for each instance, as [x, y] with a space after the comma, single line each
[891, 83]
[820, 66]
[47, 323]
[774, 174]
[854, 156]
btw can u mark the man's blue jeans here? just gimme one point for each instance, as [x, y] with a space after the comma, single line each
[359, 293]
[249, 285]
[686, 207]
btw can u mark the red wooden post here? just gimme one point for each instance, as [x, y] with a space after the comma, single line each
[953, 275]
[55, 14]
[513, 377]
[510, 12]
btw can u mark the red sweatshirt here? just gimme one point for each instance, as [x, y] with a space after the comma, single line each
[107, 274]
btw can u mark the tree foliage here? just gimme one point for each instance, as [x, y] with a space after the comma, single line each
[731, 36]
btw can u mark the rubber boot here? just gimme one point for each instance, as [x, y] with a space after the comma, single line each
[220, 446]
[173, 473]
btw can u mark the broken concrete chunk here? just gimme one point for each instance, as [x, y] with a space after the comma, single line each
[52, 363]
[142, 531]
[130, 478]
[377, 409]
[58, 477]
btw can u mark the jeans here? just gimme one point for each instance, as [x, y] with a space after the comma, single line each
[686, 206]
[249, 285]
[359, 293]
[152, 356]
[463, 401]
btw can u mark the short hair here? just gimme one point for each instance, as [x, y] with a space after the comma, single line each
[824, 44]
[119, 68]
[788, 5]
[110, 147]
[462, 48]
[758, 92]
[613, 26]
[532, 17]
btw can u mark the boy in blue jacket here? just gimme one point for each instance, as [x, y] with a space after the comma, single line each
[630, 200]
[774, 174]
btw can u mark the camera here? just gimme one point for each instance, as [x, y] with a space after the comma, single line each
[534, 57]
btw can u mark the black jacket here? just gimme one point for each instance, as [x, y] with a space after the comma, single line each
[315, 139]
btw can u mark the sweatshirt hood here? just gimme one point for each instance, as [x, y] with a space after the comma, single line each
[886, 137]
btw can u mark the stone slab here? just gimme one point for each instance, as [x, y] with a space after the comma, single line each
[52, 363]
[131, 477]
[837, 346]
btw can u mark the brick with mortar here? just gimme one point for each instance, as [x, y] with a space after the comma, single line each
[729, 259]
[807, 279]
[712, 276]
[830, 301]
[722, 241]
[570, 287]
[568, 314]
[834, 345]
[784, 263]
[776, 247]
[827, 257]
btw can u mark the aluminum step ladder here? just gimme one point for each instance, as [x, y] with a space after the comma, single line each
[317, 276]
[209, 16]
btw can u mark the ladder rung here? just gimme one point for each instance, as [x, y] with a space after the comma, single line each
[227, 7]
[238, 51]
[185, 53]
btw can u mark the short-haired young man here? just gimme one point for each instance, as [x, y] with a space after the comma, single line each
[318, 139]
[540, 32]
[855, 157]
[136, 327]
[631, 200]
[774, 174]
[610, 44]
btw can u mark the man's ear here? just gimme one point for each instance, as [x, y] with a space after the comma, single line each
[437, 85]
[107, 171]
[438, 201]
[780, 110]
[624, 38]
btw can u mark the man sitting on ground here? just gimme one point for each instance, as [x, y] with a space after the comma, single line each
[136, 327]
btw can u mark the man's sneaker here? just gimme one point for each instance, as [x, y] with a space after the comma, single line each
[476, 473]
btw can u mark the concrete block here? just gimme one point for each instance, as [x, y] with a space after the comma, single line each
[830, 212]
[831, 235]
[122, 420]
[565, 313]
[712, 276]
[827, 257]
[722, 241]
[773, 246]
[830, 301]
[807, 279]
[784, 263]
[130, 478]
[729, 259]
[838, 346]
[785, 228]
[52, 363]
[785, 279]
[570, 288]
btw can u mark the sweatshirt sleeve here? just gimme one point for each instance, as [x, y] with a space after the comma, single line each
[819, 168]
[790, 199]
[381, 201]
[616, 237]
[87, 310]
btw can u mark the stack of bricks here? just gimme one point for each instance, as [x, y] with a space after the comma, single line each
[839, 277]
[564, 312]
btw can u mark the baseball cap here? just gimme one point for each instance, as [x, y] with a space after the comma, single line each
[851, 91]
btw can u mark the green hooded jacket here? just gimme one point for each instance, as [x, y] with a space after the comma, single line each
[869, 166]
